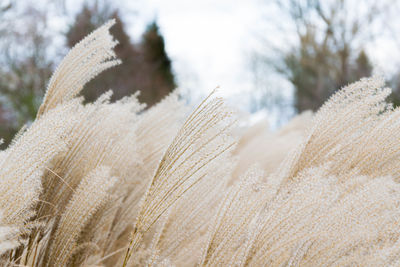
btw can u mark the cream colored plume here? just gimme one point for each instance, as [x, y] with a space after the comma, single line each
[203, 137]
[90, 195]
[85, 61]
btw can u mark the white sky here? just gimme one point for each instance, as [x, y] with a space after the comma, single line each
[209, 41]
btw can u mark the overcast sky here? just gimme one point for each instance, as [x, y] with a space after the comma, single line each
[209, 41]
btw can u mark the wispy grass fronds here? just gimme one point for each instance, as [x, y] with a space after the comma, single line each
[26, 161]
[8, 236]
[86, 60]
[343, 122]
[115, 184]
[191, 217]
[203, 137]
[330, 225]
[258, 145]
[229, 236]
[152, 134]
[90, 195]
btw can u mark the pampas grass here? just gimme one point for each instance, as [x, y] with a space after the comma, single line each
[115, 184]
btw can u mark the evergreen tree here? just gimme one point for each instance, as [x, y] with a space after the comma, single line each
[160, 77]
[145, 65]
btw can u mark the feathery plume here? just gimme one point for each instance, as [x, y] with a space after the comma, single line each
[203, 137]
[90, 195]
[87, 59]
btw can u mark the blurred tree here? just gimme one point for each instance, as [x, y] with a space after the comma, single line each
[25, 67]
[329, 51]
[160, 80]
[146, 66]
[394, 83]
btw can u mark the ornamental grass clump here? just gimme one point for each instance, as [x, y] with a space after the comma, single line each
[116, 184]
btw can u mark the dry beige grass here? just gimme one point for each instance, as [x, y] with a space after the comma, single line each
[112, 184]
